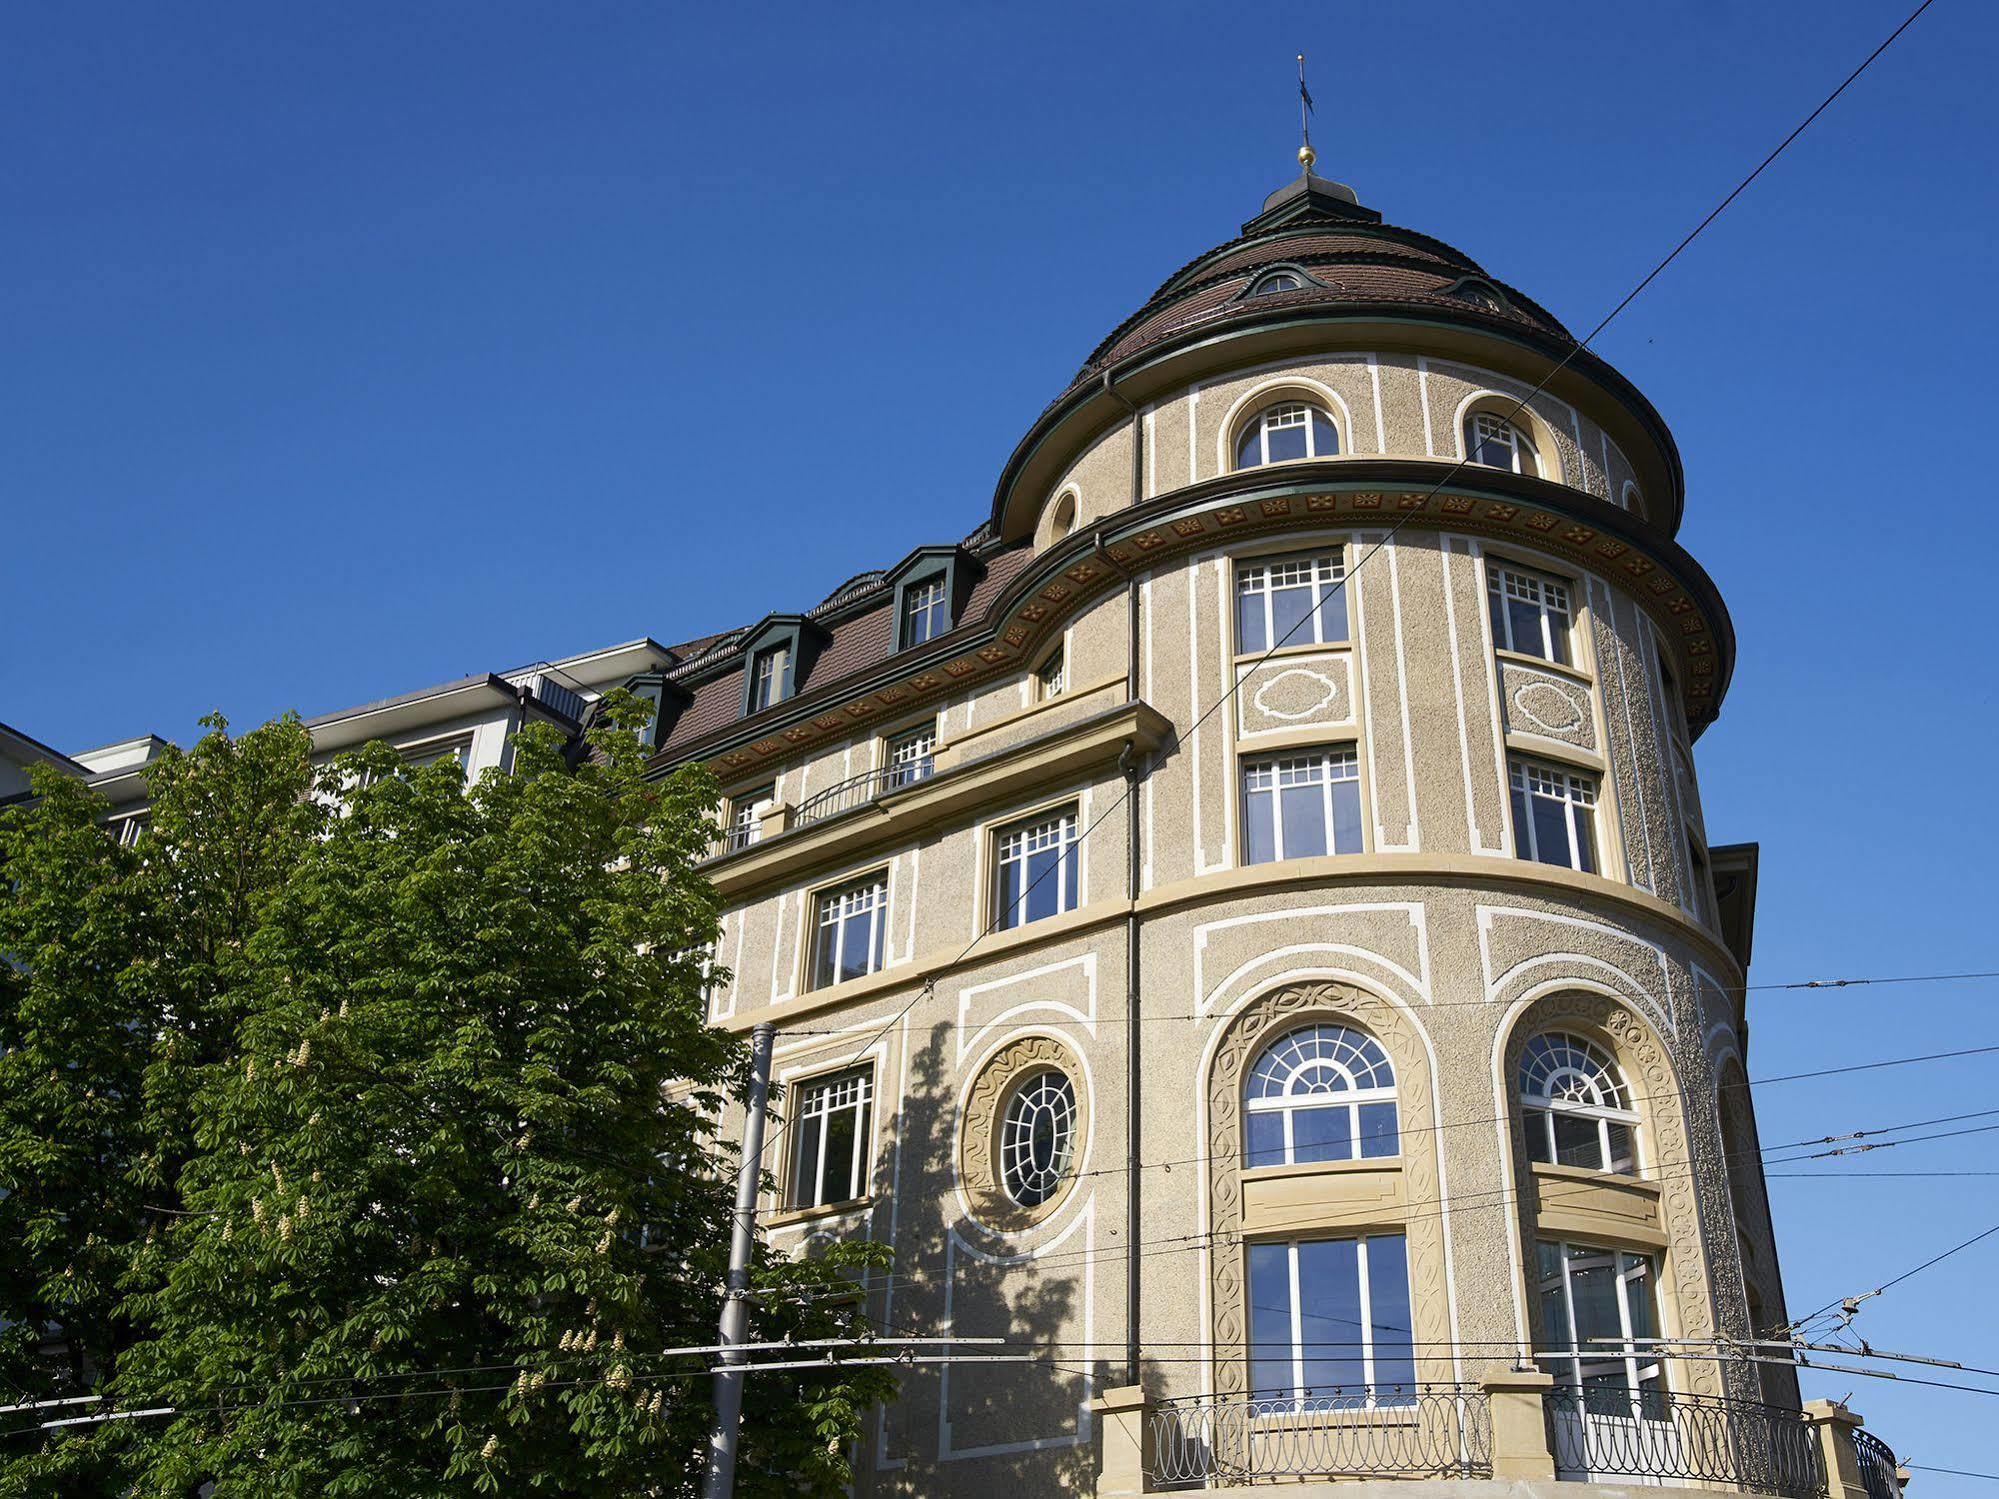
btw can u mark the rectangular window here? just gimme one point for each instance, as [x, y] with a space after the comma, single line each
[1530, 612]
[767, 676]
[912, 756]
[457, 749]
[1037, 874]
[1290, 601]
[829, 1145]
[746, 816]
[1329, 1322]
[1703, 891]
[1295, 806]
[925, 613]
[1554, 816]
[852, 931]
[1597, 1313]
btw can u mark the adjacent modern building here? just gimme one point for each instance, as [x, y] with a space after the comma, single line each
[1241, 924]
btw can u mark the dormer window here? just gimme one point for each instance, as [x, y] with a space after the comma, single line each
[1286, 432]
[926, 611]
[767, 672]
[1278, 281]
[1479, 295]
[1495, 442]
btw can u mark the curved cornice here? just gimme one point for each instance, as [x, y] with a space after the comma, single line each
[1251, 335]
[1353, 493]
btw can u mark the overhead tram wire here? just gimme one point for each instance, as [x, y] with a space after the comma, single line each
[1374, 549]
[1800, 1323]
[948, 1023]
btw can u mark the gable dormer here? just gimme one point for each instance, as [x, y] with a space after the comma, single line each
[931, 585]
[778, 653]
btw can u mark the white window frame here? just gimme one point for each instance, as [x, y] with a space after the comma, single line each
[1551, 598]
[1323, 572]
[1483, 427]
[767, 676]
[832, 908]
[1296, 1396]
[910, 755]
[1016, 1147]
[1336, 764]
[1051, 677]
[811, 1099]
[1279, 416]
[1575, 790]
[1012, 844]
[926, 601]
[746, 815]
[1643, 1369]
[1604, 1081]
[1288, 1103]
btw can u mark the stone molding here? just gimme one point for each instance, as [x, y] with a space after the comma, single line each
[984, 1113]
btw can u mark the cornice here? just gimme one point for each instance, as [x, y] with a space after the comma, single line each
[1584, 531]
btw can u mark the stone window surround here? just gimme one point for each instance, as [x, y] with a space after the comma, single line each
[983, 1113]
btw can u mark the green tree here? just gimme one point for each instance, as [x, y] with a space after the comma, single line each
[360, 1120]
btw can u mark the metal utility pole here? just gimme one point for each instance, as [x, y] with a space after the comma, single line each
[735, 1302]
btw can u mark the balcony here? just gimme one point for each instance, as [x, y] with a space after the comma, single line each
[1512, 1425]
[1442, 1431]
[858, 791]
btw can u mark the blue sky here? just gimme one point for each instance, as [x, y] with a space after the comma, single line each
[353, 348]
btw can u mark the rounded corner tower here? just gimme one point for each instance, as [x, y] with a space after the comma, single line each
[1242, 928]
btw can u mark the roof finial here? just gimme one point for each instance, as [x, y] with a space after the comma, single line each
[1306, 155]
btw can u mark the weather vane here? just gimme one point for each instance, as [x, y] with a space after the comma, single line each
[1306, 155]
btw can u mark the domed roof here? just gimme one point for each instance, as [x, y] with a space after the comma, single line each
[1339, 253]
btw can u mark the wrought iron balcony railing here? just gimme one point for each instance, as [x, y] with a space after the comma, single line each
[1439, 1431]
[1877, 1466]
[857, 791]
[1611, 1433]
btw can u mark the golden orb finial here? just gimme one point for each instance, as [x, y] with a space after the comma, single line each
[1306, 156]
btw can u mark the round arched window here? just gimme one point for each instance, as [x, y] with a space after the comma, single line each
[1494, 441]
[1278, 281]
[1577, 1112]
[1064, 519]
[1287, 431]
[1319, 1093]
[1037, 1138]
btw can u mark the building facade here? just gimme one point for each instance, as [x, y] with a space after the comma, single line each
[1241, 925]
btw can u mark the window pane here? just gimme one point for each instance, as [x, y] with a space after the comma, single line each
[836, 1184]
[1269, 1321]
[1346, 817]
[1009, 892]
[1290, 612]
[1330, 1325]
[1249, 623]
[1285, 442]
[1322, 1134]
[1523, 846]
[1594, 1285]
[1496, 607]
[1558, 635]
[805, 1162]
[1576, 1142]
[1266, 1140]
[1551, 831]
[1538, 1146]
[1259, 826]
[1388, 1314]
[1526, 622]
[1044, 890]
[1638, 1297]
[1623, 1154]
[1333, 614]
[1585, 842]
[1377, 1130]
[1325, 440]
[1248, 451]
[1304, 822]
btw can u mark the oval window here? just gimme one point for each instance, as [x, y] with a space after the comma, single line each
[1037, 1138]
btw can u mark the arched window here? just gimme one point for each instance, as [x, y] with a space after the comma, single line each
[1321, 1092]
[1037, 1137]
[1278, 281]
[1287, 431]
[1064, 519]
[1577, 1111]
[1498, 443]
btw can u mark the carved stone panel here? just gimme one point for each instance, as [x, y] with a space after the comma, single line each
[985, 1113]
[1547, 705]
[1295, 692]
